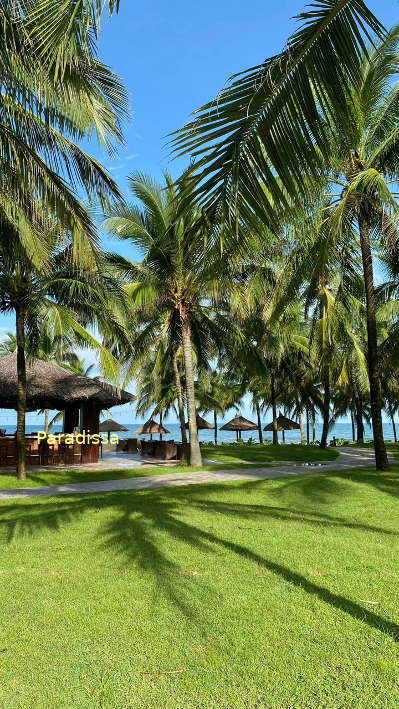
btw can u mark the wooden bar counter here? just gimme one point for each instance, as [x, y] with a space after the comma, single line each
[44, 453]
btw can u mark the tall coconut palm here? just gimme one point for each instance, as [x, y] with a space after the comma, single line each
[173, 287]
[365, 168]
[57, 299]
[51, 98]
[325, 272]
[387, 320]
[276, 342]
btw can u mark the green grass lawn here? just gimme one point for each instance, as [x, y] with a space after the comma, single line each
[266, 453]
[370, 444]
[278, 594]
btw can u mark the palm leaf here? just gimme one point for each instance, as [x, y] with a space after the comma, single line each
[271, 121]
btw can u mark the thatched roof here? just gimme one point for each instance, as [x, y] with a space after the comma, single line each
[283, 424]
[202, 424]
[151, 427]
[239, 423]
[110, 425]
[50, 386]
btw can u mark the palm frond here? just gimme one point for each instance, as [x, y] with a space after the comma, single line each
[271, 121]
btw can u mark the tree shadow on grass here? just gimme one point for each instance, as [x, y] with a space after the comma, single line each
[290, 514]
[139, 518]
[324, 486]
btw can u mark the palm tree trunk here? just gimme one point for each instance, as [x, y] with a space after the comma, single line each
[195, 451]
[302, 425]
[353, 426]
[381, 458]
[215, 423]
[160, 423]
[180, 400]
[307, 426]
[313, 426]
[46, 417]
[274, 410]
[21, 392]
[259, 423]
[326, 408]
[359, 420]
[392, 422]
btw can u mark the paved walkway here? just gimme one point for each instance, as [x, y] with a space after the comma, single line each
[348, 458]
[110, 460]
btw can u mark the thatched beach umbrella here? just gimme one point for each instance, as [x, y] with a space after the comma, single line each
[239, 424]
[202, 424]
[151, 427]
[283, 424]
[109, 426]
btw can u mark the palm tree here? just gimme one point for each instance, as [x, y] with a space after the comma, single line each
[278, 344]
[173, 287]
[51, 98]
[325, 273]
[53, 302]
[257, 402]
[387, 321]
[364, 167]
[321, 106]
[54, 93]
[157, 367]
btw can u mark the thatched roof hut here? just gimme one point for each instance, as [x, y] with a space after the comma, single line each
[202, 424]
[50, 386]
[283, 424]
[239, 424]
[150, 428]
[109, 425]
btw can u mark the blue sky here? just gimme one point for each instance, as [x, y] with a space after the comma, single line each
[174, 57]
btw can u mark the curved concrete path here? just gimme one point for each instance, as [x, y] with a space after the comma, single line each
[348, 458]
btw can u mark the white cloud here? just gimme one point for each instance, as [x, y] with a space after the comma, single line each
[132, 156]
[116, 167]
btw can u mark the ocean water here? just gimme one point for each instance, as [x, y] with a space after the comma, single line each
[340, 430]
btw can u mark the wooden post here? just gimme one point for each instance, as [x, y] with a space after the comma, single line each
[71, 418]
